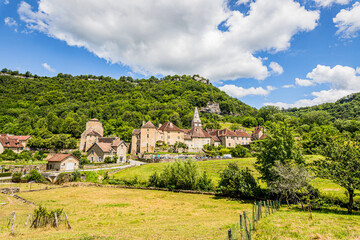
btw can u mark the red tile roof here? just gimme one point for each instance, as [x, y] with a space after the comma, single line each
[20, 138]
[61, 157]
[169, 126]
[136, 131]
[242, 134]
[8, 142]
[198, 132]
[149, 124]
[93, 133]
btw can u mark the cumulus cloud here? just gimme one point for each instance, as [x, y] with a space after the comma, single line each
[348, 21]
[328, 3]
[288, 86]
[48, 67]
[342, 80]
[276, 68]
[239, 92]
[10, 22]
[304, 82]
[174, 37]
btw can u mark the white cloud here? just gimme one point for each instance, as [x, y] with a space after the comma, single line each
[48, 67]
[343, 80]
[10, 22]
[276, 68]
[328, 3]
[348, 21]
[303, 82]
[288, 86]
[6, 2]
[239, 2]
[174, 37]
[239, 92]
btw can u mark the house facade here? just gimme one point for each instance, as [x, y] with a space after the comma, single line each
[63, 162]
[14, 143]
[94, 130]
[111, 147]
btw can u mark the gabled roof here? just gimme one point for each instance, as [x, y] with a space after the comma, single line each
[136, 132]
[215, 138]
[149, 124]
[106, 139]
[94, 119]
[187, 136]
[8, 142]
[20, 138]
[105, 147]
[242, 134]
[226, 132]
[93, 133]
[60, 157]
[198, 132]
[169, 126]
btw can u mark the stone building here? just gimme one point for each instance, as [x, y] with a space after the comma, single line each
[229, 138]
[15, 143]
[94, 130]
[63, 162]
[104, 147]
[258, 133]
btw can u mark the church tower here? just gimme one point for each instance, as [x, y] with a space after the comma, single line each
[196, 122]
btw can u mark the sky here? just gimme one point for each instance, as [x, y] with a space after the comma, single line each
[287, 53]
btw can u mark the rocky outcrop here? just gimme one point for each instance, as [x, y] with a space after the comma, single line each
[211, 108]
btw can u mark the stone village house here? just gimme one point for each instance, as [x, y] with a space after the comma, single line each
[15, 143]
[145, 139]
[99, 147]
[63, 162]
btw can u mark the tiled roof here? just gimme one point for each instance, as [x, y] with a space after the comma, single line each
[20, 138]
[94, 119]
[198, 132]
[242, 134]
[107, 139]
[136, 131]
[169, 126]
[8, 142]
[61, 157]
[226, 132]
[149, 124]
[93, 133]
[215, 138]
[106, 147]
[187, 136]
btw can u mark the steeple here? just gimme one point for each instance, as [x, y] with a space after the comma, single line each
[196, 122]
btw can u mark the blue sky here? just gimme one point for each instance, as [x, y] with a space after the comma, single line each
[281, 52]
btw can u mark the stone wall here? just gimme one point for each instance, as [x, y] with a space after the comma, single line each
[24, 168]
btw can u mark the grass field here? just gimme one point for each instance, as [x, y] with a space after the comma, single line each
[22, 162]
[295, 224]
[228, 125]
[109, 213]
[212, 168]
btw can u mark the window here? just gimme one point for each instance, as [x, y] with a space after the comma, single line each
[148, 136]
[99, 159]
[92, 152]
[229, 144]
[147, 130]
[178, 137]
[92, 159]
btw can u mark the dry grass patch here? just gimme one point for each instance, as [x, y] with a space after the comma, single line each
[108, 213]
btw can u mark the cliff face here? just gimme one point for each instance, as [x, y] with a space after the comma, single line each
[211, 108]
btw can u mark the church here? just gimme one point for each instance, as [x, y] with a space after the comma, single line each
[145, 139]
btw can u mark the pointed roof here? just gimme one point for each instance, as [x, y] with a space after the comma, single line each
[60, 157]
[94, 119]
[149, 124]
[196, 117]
[198, 132]
[93, 133]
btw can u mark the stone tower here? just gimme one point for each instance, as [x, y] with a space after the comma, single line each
[196, 122]
[94, 129]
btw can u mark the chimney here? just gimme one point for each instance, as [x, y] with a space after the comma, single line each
[143, 123]
[160, 125]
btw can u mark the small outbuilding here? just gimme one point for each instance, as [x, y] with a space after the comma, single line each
[63, 162]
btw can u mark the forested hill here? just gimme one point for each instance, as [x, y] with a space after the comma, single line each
[43, 106]
[345, 108]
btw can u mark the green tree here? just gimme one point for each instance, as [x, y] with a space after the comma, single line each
[238, 183]
[342, 166]
[239, 151]
[279, 145]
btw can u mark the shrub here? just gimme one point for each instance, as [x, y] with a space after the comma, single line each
[181, 175]
[237, 183]
[239, 151]
[16, 177]
[43, 217]
[34, 176]
[6, 174]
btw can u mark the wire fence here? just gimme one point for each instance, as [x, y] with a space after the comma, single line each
[248, 221]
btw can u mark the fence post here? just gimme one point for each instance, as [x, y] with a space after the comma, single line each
[265, 208]
[27, 219]
[12, 225]
[241, 227]
[229, 234]
[253, 217]
[260, 209]
[67, 220]
[56, 222]
[248, 231]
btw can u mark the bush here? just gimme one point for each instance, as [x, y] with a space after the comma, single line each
[239, 151]
[181, 175]
[16, 177]
[6, 174]
[108, 160]
[237, 183]
[43, 217]
[34, 176]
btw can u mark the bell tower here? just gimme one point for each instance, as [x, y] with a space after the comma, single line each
[196, 122]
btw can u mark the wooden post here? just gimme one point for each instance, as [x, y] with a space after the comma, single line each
[229, 234]
[56, 222]
[248, 231]
[253, 217]
[12, 225]
[27, 219]
[241, 227]
[67, 220]
[260, 209]
[265, 208]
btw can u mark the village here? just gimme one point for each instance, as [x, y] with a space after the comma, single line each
[146, 144]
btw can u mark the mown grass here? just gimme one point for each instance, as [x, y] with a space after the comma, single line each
[228, 125]
[27, 186]
[292, 223]
[22, 162]
[213, 167]
[112, 213]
